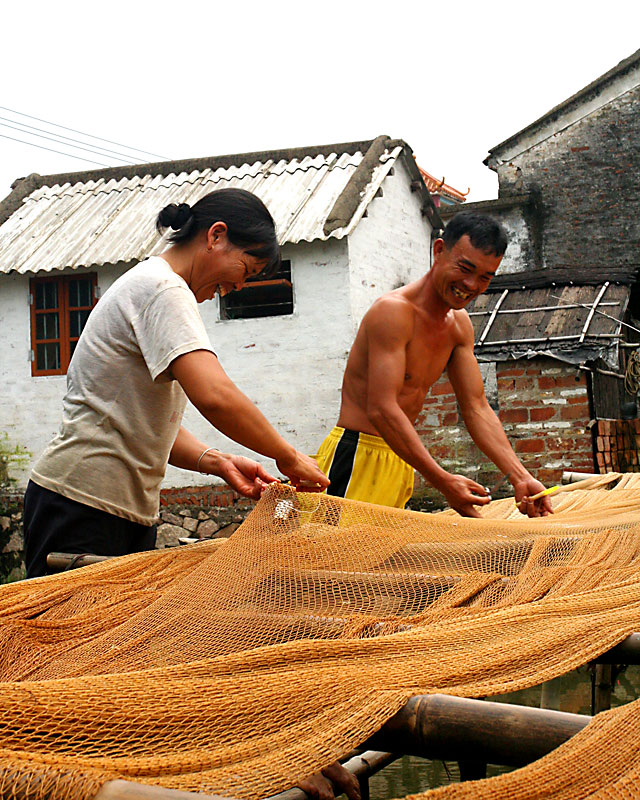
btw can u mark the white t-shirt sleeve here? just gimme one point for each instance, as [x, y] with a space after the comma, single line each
[169, 326]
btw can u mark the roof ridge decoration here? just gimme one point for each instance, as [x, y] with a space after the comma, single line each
[436, 186]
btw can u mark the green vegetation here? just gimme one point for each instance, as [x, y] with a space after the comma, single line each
[11, 457]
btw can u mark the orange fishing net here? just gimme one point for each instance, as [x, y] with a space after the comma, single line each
[240, 667]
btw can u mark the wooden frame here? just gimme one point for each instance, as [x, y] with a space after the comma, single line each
[61, 310]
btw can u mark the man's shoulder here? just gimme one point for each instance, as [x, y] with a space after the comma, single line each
[391, 313]
[392, 303]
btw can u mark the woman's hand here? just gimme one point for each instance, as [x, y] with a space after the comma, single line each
[303, 472]
[243, 474]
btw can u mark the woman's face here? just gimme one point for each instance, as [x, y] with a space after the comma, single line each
[221, 267]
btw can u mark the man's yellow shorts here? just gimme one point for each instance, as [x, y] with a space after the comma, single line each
[363, 467]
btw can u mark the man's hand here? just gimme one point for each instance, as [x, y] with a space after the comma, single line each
[343, 780]
[303, 472]
[463, 494]
[244, 475]
[331, 782]
[523, 489]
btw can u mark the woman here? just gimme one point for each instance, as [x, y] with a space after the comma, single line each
[143, 352]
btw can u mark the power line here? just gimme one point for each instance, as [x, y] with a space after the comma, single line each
[60, 136]
[90, 135]
[51, 150]
[57, 141]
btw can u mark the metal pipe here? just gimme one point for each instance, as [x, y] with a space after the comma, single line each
[452, 728]
[537, 308]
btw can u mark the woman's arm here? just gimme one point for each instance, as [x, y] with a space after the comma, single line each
[243, 474]
[220, 401]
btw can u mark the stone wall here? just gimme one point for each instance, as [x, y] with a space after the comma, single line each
[200, 512]
[585, 179]
[11, 545]
[194, 512]
[544, 408]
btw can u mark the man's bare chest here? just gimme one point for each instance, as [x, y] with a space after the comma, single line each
[427, 355]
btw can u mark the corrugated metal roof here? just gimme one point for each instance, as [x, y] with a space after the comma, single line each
[93, 222]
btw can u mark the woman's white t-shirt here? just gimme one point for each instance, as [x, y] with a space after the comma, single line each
[123, 409]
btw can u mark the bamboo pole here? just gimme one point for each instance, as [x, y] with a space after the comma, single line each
[58, 562]
[128, 790]
[363, 766]
[627, 652]
[443, 727]
[601, 688]
[595, 482]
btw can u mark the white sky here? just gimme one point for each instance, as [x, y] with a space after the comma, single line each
[186, 79]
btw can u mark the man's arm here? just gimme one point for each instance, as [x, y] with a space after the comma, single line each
[484, 426]
[389, 330]
[220, 401]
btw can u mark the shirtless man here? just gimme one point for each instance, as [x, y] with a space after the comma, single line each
[405, 342]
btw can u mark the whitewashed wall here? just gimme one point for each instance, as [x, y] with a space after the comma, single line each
[518, 254]
[290, 366]
[30, 408]
[391, 245]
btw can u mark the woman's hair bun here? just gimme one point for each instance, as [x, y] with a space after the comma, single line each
[174, 216]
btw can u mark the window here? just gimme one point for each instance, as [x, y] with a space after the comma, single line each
[261, 298]
[60, 308]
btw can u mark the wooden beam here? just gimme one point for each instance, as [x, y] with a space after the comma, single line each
[59, 562]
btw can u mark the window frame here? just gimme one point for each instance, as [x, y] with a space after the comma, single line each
[63, 308]
[256, 282]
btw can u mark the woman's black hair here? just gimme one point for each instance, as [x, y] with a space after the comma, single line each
[249, 223]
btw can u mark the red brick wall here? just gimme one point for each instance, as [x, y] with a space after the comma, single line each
[544, 409]
[618, 445]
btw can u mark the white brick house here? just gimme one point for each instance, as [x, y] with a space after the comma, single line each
[354, 221]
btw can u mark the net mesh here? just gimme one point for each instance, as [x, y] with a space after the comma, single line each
[239, 667]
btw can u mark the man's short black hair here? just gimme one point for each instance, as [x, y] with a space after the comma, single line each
[485, 233]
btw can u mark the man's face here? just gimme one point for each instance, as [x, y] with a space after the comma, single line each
[463, 272]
